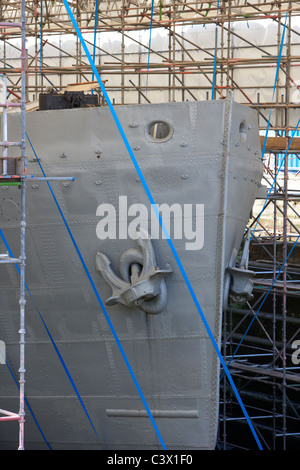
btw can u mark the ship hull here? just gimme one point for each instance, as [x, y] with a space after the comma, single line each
[80, 393]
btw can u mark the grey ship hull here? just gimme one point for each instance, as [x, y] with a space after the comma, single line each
[170, 352]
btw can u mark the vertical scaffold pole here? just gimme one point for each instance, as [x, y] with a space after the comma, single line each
[22, 300]
[4, 126]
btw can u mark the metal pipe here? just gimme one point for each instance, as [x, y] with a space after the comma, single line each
[23, 228]
[9, 260]
[10, 25]
[8, 416]
[4, 126]
[9, 105]
[49, 178]
[285, 222]
[10, 144]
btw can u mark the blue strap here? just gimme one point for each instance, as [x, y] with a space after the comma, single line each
[101, 303]
[28, 406]
[275, 82]
[269, 192]
[141, 176]
[263, 301]
[51, 339]
[9, 368]
[150, 35]
[95, 36]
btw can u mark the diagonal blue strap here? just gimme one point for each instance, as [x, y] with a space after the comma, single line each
[141, 176]
[28, 406]
[269, 192]
[266, 295]
[51, 339]
[263, 301]
[150, 35]
[95, 35]
[279, 168]
[9, 368]
[101, 304]
[275, 82]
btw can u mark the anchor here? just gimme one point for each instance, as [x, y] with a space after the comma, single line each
[238, 279]
[142, 283]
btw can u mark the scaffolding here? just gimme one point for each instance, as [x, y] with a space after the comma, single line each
[201, 50]
[13, 172]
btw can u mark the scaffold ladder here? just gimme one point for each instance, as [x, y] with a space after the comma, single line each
[13, 173]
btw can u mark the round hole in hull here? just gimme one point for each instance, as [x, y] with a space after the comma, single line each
[159, 131]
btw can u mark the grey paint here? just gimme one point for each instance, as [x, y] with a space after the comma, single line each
[170, 352]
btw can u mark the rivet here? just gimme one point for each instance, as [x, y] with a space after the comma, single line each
[138, 179]
[133, 124]
[63, 155]
[66, 185]
[136, 147]
[237, 144]
[183, 144]
[35, 186]
[184, 176]
[98, 182]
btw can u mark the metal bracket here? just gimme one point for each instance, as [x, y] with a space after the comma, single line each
[238, 279]
[142, 283]
[241, 284]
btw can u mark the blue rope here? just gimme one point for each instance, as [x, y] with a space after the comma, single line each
[150, 35]
[65, 368]
[95, 36]
[9, 368]
[141, 176]
[269, 192]
[263, 301]
[51, 339]
[101, 303]
[215, 59]
[275, 82]
[28, 406]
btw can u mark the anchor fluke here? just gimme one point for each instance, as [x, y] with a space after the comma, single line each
[142, 283]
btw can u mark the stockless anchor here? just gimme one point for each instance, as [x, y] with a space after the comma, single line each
[142, 283]
[238, 284]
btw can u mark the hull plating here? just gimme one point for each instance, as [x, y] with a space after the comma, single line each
[170, 352]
